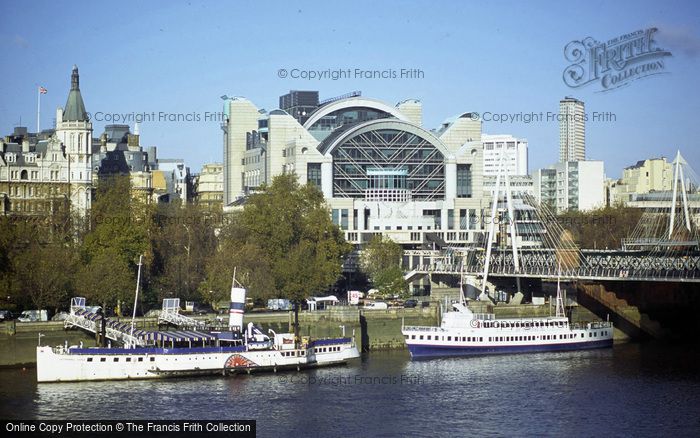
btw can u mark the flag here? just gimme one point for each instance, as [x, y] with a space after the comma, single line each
[43, 90]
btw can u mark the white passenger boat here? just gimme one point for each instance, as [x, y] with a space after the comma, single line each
[151, 355]
[462, 332]
[64, 364]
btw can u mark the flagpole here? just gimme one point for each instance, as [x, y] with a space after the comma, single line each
[38, 109]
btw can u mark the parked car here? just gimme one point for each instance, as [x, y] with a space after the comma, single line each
[202, 309]
[425, 304]
[60, 316]
[409, 304]
[153, 313]
[6, 315]
[279, 304]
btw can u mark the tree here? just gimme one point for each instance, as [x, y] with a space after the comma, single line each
[601, 228]
[291, 225]
[381, 261]
[120, 233]
[119, 223]
[38, 259]
[183, 240]
[252, 270]
[44, 274]
[106, 279]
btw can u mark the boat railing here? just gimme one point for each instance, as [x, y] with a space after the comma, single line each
[422, 328]
[527, 327]
[600, 325]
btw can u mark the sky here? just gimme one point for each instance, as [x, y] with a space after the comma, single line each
[176, 58]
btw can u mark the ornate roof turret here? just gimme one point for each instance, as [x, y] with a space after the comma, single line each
[75, 108]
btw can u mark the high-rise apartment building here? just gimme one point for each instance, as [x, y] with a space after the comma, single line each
[572, 130]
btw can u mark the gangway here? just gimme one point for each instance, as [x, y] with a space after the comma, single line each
[170, 313]
[82, 317]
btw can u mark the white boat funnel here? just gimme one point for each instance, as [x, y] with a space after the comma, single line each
[236, 308]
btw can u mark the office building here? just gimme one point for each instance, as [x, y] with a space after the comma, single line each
[209, 186]
[514, 149]
[574, 185]
[379, 169]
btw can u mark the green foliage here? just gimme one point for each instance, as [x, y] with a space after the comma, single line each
[106, 279]
[381, 261]
[251, 264]
[119, 234]
[283, 244]
[119, 224]
[38, 259]
[44, 274]
[183, 240]
[291, 225]
[601, 228]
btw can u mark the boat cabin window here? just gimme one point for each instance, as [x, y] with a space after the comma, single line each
[103, 359]
[128, 359]
[89, 359]
[153, 359]
[116, 359]
[140, 359]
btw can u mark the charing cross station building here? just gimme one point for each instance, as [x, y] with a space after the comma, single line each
[379, 168]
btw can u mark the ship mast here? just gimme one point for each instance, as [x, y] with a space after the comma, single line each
[560, 302]
[136, 297]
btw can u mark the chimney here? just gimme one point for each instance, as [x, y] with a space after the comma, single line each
[103, 143]
[236, 308]
[133, 140]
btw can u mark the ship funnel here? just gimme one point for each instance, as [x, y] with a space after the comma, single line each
[236, 308]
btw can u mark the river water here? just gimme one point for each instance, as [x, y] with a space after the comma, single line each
[631, 389]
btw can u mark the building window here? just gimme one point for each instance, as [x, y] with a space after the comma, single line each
[464, 180]
[344, 219]
[313, 174]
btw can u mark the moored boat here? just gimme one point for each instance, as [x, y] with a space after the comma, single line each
[464, 333]
[149, 355]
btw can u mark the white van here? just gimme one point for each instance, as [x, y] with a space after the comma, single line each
[33, 316]
[377, 305]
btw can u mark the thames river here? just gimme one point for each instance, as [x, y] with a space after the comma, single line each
[632, 389]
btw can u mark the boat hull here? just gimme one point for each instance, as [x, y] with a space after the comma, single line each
[423, 351]
[57, 364]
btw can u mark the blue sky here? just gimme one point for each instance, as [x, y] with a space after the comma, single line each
[499, 57]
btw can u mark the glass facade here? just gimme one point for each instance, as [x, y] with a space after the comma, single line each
[328, 123]
[464, 180]
[388, 157]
